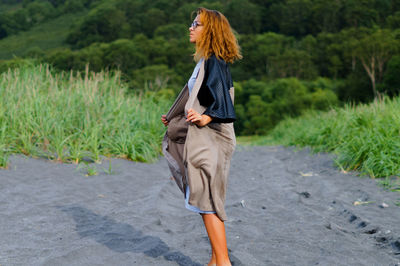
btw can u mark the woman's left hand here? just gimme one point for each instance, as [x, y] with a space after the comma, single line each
[198, 119]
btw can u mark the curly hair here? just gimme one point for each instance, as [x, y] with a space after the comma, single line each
[217, 37]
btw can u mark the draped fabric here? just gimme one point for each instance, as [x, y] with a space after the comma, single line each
[202, 162]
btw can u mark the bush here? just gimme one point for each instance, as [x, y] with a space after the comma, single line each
[63, 59]
[40, 11]
[5, 65]
[72, 6]
[124, 55]
[105, 23]
[263, 105]
[364, 138]
[34, 52]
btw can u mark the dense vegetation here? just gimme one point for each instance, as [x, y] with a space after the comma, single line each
[298, 54]
[364, 137]
[71, 116]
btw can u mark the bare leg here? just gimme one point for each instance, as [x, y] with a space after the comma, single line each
[213, 260]
[216, 233]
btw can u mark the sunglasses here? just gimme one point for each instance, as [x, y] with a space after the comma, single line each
[195, 24]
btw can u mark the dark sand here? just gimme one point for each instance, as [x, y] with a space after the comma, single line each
[284, 208]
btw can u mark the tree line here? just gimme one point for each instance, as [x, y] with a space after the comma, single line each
[297, 54]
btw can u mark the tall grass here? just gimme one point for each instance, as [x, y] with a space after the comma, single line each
[68, 117]
[365, 137]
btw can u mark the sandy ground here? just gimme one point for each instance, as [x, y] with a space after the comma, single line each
[285, 207]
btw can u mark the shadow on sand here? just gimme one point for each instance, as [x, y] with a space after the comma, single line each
[121, 237]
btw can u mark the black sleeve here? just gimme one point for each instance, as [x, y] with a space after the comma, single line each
[214, 92]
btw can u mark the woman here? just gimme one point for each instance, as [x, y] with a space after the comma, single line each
[200, 139]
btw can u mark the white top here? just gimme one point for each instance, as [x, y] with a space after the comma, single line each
[192, 79]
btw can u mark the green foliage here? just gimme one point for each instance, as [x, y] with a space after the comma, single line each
[111, 20]
[393, 21]
[34, 52]
[286, 45]
[71, 116]
[125, 55]
[245, 16]
[73, 6]
[325, 16]
[15, 63]
[89, 169]
[293, 16]
[155, 77]
[19, 19]
[109, 170]
[130, 56]
[391, 80]
[360, 13]
[46, 36]
[153, 18]
[364, 138]
[171, 31]
[374, 49]
[10, 2]
[105, 23]
[322, 99]
[277, 56]
[39, 11]
[257, 111]
[183, 13]
[262, 105]
[13, 22]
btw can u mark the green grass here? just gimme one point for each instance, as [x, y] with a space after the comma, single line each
[69, 117]
[255, 140]
[45, 36]
[365, 138]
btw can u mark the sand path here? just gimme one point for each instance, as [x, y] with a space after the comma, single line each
[284, 208]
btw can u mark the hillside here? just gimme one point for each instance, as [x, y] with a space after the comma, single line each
[41, 38]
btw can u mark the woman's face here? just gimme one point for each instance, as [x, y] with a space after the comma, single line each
[196, 30]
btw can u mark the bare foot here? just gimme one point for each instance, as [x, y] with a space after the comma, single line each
[213, 261]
